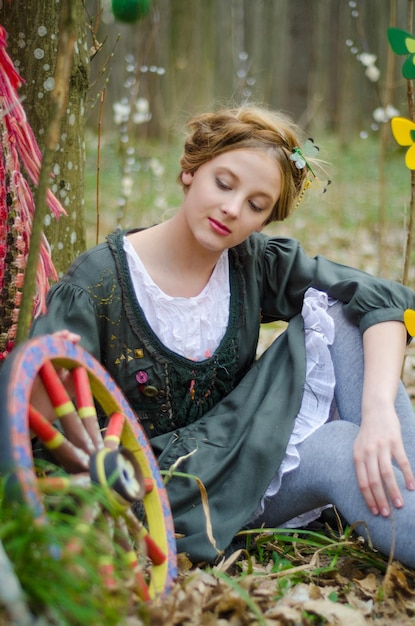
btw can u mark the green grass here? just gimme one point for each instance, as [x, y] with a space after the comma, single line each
[57, 563]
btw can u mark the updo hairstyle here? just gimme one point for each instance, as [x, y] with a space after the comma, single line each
[252, 127]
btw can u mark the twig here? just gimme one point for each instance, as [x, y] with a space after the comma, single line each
[384, 136]
[101, 110]
[59, 96]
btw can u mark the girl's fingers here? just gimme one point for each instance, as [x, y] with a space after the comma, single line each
[68, 335]
[377, 481]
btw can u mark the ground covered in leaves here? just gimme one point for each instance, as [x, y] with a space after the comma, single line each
[322, 576]
[351, 592]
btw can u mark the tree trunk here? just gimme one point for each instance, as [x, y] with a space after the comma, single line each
[32, 29]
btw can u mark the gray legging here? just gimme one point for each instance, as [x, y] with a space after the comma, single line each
[326, 474]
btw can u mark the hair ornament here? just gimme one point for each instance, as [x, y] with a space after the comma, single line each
[298, 156]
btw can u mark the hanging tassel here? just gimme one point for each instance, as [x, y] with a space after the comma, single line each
[18, 147]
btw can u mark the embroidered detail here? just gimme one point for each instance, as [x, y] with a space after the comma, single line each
[192, 389]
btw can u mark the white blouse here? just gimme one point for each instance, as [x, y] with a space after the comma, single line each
[192, 327]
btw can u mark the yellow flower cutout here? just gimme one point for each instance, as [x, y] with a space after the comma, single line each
[409, 319]
[404, 132]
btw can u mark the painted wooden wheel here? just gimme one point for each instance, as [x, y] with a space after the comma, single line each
[111, 450]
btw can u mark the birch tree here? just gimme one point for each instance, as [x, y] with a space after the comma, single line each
[32, 29]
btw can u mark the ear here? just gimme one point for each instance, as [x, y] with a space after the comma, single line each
[187, 178]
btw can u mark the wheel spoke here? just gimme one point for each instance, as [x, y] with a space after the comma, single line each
[113, 432]
[154, 553]
[131, 560]
[86, 407]
[64, 409]
[63, 484]
[71, 458]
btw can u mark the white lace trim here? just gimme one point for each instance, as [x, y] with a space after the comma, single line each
[318, 391]
[192, 327]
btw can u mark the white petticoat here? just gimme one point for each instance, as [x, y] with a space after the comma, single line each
[318, 391]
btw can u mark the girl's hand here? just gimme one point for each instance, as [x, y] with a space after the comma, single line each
[68, 335]
[378, 443]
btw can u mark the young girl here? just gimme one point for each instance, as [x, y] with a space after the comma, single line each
[174, 312]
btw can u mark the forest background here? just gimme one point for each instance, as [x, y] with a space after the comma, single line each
[327, 63]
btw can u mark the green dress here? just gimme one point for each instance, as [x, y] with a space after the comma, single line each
[230, 416]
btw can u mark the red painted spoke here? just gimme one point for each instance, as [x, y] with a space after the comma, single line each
[86, 406]
[131, 560]
[71, 458]
[64, 408]
[154, 552]
[106, 560]
[56, 484]
[112, 436]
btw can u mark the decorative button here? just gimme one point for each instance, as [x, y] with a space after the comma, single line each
[149, 391]
[164, 408]
[141, 377]
[162, 393]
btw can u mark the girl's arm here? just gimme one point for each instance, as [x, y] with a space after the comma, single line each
[379, 439]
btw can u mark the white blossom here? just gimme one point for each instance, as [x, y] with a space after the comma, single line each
[373, 73]
[122, 112]
[382, 115]
[156, 167]
[391, 111]
[367, 59]
[126, 186]
[142, 113]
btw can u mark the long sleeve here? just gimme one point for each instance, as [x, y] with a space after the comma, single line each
[70, 307]
[84, 301]
[286, 273]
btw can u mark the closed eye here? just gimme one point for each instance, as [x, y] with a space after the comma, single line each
[255, 207]
[221, 184]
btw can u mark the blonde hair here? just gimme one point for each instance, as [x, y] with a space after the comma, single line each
[254, 127]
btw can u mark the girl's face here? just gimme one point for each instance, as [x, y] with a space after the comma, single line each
[231, 196]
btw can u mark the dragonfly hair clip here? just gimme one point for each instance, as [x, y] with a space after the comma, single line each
[299, 158]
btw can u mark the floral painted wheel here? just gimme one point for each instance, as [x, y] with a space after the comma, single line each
[116, 456]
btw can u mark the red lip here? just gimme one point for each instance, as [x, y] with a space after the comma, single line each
[218, 227]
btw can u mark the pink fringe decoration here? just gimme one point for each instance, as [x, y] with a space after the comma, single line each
[18, 145]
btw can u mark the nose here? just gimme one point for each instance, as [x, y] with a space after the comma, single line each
[232, 206]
